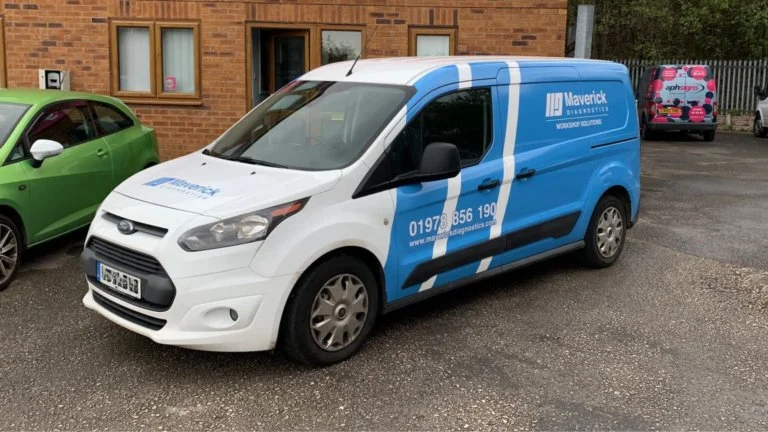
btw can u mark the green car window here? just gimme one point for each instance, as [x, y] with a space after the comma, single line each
[66, 123]
[10, 114]
[17, 153]
[109, 119]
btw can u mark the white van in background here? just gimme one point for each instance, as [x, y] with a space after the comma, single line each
[760, 127]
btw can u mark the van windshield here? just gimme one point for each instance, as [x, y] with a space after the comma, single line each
[312, 125]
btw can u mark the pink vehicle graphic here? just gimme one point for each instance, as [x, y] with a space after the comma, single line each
[678, 98]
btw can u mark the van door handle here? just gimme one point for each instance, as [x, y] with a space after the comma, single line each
[101, 152]
[525, 173]
[488, 184]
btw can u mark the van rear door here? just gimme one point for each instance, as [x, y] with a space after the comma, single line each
[698, 95]
[671, 94]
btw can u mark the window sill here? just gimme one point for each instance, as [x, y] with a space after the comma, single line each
[149, 101]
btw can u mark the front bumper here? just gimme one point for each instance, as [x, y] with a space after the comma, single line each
[200, 316]
[187, 298]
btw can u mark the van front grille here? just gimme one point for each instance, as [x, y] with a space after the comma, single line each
[126, 257]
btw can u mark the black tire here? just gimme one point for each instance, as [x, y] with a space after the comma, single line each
[296, 336]
[708, 136]
[758, 129]
[8, 272]
[591, 255]
[645, 133]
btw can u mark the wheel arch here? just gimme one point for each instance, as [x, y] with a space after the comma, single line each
[622, 194]
[15, 216]
[366, 256]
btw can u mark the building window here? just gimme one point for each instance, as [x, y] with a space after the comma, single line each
[156, 61]
[431, 41]
[340, 45]
[134, 63]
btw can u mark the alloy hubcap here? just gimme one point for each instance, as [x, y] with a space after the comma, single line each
[8, 252]
[610, 231]
[339, 312]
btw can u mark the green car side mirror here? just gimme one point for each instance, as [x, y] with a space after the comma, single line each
[43, 149]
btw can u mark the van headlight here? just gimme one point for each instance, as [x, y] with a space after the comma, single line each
[238, 230]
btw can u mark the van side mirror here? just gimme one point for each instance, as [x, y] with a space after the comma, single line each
[43, 149]
[439, 161]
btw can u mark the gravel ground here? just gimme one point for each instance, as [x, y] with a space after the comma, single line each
[671, 337]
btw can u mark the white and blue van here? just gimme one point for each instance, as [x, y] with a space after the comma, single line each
[354, 191]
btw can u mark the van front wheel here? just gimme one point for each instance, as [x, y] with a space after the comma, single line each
[606, 233]
[331, 312]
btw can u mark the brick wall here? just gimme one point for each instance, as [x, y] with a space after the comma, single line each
[74, 35]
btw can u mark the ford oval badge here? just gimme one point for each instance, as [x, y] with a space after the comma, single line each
[126, 227]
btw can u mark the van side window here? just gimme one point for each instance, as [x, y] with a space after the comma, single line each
[462, 118]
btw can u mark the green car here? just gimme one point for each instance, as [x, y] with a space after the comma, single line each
[62, 153]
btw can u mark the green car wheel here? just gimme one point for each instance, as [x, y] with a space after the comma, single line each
[10, 251]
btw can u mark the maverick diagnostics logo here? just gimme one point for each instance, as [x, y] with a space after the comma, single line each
[575, 110]
[554, 104]
[183, 186]
[569, 104]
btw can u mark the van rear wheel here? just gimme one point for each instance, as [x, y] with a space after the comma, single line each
[331, 312]
[606, 234]
[709, 135]
[758, 129]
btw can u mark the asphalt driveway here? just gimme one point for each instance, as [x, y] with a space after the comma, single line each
[675, 336]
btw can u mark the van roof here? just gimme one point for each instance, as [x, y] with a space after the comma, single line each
[406, 70]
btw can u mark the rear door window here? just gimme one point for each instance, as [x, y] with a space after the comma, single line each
[109, 119]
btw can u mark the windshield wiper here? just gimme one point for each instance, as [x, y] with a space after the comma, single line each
[245, 159]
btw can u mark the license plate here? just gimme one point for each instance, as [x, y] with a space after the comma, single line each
[118, 281]
[674, 111]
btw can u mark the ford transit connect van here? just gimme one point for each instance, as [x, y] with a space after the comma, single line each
[677, 98]
[347, 195]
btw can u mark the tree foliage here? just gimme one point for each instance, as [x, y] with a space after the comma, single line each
[666, 29]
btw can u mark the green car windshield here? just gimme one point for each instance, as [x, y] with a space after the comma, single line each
[312, 125]
[10, 114]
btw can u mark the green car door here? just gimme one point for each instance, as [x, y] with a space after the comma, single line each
[132, 145]
[65, 190]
